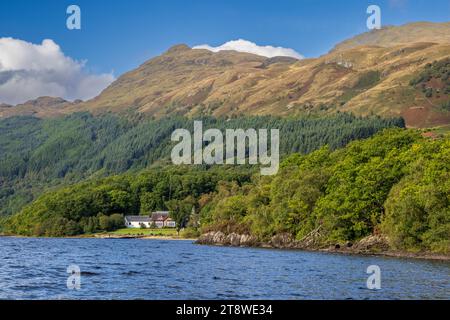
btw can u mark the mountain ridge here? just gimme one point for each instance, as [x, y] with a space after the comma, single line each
[387, 36]
[360, 75]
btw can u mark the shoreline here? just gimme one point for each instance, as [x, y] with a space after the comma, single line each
[369, 246]
[143, 237]
[198, 241]
[104, 236]
[387, 254]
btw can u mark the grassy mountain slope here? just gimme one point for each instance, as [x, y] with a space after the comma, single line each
[393, 36]
[40, 107]
[369, 74]
[364, 80]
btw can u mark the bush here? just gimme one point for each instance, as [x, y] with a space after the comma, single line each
[190, 233]
[110, 223]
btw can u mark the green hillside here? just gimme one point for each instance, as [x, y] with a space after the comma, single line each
[396, 183]
[44, 154]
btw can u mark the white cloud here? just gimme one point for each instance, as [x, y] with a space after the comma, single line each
[250, 47]
[29, 71]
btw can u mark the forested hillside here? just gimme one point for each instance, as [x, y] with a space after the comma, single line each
[37, 154]
[99, 205]
[396, 183]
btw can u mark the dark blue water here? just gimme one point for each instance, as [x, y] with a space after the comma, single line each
[153, 269]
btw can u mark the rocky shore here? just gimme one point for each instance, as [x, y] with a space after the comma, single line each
[371, 245]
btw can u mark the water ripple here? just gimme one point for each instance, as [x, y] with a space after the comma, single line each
[144, 269]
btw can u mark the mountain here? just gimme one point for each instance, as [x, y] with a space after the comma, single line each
[40, 107]
[373, 73]
[393, 36]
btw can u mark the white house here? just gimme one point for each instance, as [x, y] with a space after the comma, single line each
[161, 219]
[158, 219]
[138, 221]
[170, 223]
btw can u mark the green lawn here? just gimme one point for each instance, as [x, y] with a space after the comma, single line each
[146, 232]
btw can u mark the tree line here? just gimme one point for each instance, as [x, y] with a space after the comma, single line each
[38, 154]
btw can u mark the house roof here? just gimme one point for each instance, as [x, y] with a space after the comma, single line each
[160, 215]
[137, 219]
[156, 216]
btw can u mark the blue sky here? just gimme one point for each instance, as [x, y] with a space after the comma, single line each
[119, 35]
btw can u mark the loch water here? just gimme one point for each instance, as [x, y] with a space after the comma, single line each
[159, 269]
